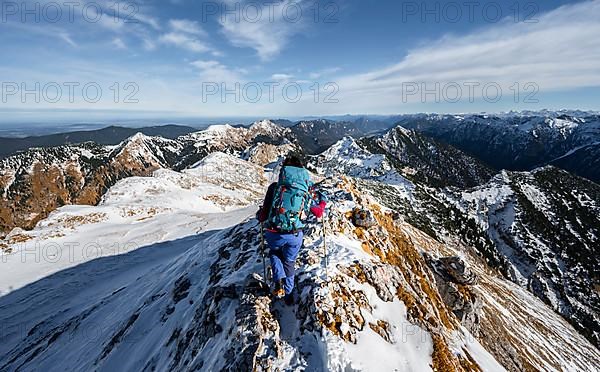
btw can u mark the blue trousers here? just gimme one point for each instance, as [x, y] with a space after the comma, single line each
[283, 251]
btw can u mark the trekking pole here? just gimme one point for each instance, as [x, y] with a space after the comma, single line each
[325, 250]
[262, 251]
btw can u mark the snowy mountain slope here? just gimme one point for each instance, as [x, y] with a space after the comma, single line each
[402, 155]
[79, 298]
[506, 319]
[546, 226]
[137, 211]
[350, 158]
[512, 223]
[116, 312]
[228, 139]
[518, 141]
[148, 150]
[585, 159]
[428, 161]
[190, 298]
[396, 182]
[193, 303]
[164, 273]
[38, 181]
[539, 229]
[266, 153]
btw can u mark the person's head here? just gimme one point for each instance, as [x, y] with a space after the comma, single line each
[293, 160]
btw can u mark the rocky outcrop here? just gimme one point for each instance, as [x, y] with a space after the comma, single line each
[266, 153]
[454, 280]
[363, 218]
[454, 269]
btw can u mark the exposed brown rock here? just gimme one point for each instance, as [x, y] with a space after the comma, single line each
[47, 187]
[382, 328]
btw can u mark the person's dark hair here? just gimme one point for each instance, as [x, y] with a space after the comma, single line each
[293, 160]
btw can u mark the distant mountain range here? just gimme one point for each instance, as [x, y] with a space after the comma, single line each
[512, 141]
[570, 140]
[439, 150]
[111, 135]
[318, 135]
[35, 182]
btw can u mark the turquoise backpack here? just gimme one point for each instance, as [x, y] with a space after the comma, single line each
[291, 199]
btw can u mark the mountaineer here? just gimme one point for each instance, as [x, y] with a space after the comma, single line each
[287, 203]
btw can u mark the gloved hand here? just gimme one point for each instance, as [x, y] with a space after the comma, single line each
[319, 209]
[261, 215]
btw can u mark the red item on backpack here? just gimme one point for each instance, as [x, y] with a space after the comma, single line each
[318, 210]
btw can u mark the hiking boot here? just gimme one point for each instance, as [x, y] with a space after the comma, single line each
[278, 291]
[289, 299]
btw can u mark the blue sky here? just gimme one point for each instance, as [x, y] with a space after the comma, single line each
[175, 58]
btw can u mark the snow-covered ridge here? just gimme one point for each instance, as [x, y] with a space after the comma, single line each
[196, 302]
[152, 150]
[136, 211]
[267, 126]
[218, 128]
[186, 293]
[349, 158]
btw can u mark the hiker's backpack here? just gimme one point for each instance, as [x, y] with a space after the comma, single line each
[291, 200]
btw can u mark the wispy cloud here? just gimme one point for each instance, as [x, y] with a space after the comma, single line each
[121, 16]
[282, 77]
[51, 32]
[129, 13]
[148, 44]
[555, 53]
[324, 73]
[560, 52]
[119, 43]
[186, 26]
[215, 72]
[184, 41]
[188, 35]
[268, 34]
[67, 38]
[149, 20]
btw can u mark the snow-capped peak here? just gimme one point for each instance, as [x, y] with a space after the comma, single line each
[218, 128]
[346, 146]
[268, 128]
[264, 124]
[138, 137]
[153, 151]
[350, 158]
